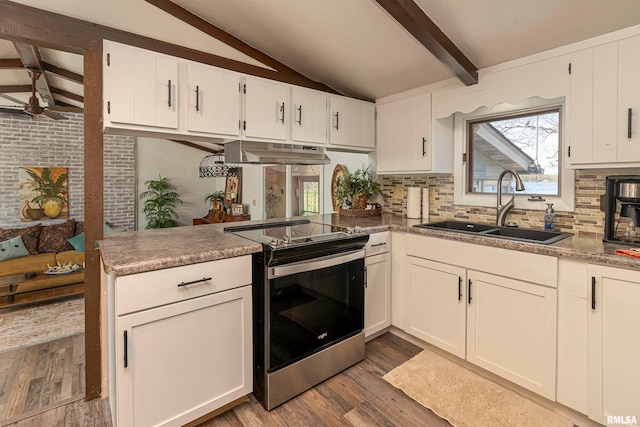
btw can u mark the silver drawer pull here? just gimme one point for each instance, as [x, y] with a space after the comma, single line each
[379, 244]
[204, 279]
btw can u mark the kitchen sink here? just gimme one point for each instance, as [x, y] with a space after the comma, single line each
[511, 233]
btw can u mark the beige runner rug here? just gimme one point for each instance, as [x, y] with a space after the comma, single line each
[464, 398]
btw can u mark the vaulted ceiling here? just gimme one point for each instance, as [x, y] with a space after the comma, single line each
[355, 47]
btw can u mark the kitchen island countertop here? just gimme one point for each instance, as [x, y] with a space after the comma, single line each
[140, 251]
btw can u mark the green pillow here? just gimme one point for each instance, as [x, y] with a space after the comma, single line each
[78, 241]
[12, 248]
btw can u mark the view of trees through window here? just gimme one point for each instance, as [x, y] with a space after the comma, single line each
[527, 143]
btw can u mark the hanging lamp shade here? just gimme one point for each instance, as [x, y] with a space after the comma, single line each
[214, 166]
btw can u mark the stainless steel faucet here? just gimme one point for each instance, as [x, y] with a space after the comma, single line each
[503, 210]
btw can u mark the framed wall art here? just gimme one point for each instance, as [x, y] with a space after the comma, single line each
[43, 193]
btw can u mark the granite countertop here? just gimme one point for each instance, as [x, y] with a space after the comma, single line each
[140, 251]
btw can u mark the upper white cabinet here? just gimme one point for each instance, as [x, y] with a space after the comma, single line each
[604, 109]
[142, 87]
[266, 109]
[213, 100]
[406, 141]
[351, 123]
[309, 116]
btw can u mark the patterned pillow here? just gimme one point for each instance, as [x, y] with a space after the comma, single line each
[79, 228]
[30, 236]
[12, 248]
[54, 237]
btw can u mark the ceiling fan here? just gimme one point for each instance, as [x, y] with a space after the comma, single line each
[32, 107]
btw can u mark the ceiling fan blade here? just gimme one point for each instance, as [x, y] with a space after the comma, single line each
[54, 115]
[11, 98]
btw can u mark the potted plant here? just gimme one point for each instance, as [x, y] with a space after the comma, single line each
[51, 198]
[161, 201]
[357, 187]
[216, 198]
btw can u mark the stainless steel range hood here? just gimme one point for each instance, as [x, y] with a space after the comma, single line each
[273, 153]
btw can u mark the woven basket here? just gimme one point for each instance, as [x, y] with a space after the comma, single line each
[360, 213]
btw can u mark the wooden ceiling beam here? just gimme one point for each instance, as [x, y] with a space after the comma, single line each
[30, 57]
[65, 107]
[67, 94]
[61, 72]
[52, 30]
[15, 88]
[11, 63]
[197, 146]
[422, 28]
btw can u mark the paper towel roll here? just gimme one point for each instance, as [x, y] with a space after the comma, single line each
[425, 204]
[413, 202]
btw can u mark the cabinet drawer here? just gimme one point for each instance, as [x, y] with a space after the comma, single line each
[155, 288]
[378, 243]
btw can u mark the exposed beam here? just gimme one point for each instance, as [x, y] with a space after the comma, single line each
[67, 94]
[47, 29]
[30, 57]
[15, 88]
[415, 21]
[63, 107]
[8, 63]
[197, 146]
[65, 74]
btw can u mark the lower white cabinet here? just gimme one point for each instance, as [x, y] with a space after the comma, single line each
[171, 364]
[436, 304]
[511, 330]
[377, 302]
[599, 342]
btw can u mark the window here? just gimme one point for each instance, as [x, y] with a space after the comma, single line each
[528, 143]
[297, 185]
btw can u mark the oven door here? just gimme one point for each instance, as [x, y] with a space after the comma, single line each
[312, 305]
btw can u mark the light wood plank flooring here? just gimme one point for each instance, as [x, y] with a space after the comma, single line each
[358, 396]
[36, 377]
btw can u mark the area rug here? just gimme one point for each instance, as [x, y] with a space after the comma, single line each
[464, 398]
[35, 324]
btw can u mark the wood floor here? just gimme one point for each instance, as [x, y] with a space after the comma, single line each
[39, 376]
[358, 396]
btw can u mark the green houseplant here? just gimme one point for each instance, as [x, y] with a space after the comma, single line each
[216, 198]
[161, 201]
[52, 191]
[357, 187]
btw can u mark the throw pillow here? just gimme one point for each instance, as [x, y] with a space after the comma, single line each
[30, 236]
[12, 248]
[54, 237]
[77, 241]
[79, 228]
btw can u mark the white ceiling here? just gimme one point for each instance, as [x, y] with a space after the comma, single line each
[354, 46]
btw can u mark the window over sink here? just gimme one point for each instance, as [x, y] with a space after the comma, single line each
[527, 138]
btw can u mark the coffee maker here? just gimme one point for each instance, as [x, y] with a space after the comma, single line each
[622, 209]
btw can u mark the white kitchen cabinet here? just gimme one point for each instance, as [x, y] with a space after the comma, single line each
[406, 141]
[398, 282]
[140, 87]
[604, 127]
[377, 303]
[614, 346]
[213, 100]
[309, 116]
[266, 109]
[351, 123]
[511, 330]
[181, 342]
[435, 304]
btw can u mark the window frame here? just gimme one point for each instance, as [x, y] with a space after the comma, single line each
[290, 189]
[565, 201]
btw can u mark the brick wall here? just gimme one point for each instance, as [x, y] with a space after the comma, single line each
[43, 142]
[586, 217]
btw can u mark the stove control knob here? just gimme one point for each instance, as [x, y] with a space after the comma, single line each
[275, 241]
[286, 239]
[349, 230]
[358, 229]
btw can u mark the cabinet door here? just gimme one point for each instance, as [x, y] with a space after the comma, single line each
[179, 362]
[573, 311]
[351, 122]
[266, 109]
[435, 304]
[309, 111]
[377, 303]
[213, 100]
[142, 87]
[511, 330]
[628, 100]
[614, 347]
[404, 135]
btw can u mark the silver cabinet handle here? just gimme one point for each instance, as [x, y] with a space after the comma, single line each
[378, 244]
[193, 282]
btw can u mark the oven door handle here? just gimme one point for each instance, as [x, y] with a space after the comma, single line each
[315, 264]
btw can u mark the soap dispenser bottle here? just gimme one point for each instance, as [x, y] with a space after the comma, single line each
[549, 217]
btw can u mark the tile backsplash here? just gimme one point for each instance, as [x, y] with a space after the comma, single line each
[587, 218]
